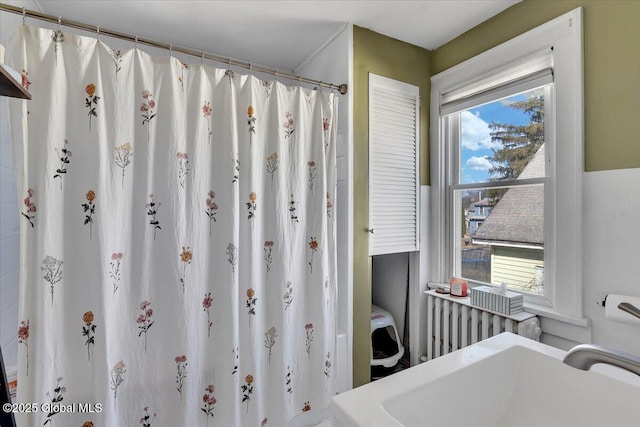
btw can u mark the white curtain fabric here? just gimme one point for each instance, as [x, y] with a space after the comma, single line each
[178, 262]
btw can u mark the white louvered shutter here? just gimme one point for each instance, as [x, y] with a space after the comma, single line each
[393, 166]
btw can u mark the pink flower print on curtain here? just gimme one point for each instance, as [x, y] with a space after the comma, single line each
[311, 177]
[206, 113]
[288, 125]
[206, 305]
[147, 108]
[88, 330]
[181, 366]
[91, 101]
[306, 407]
[117, 378]
[208, 402]
[144, 321]
[309, 332]
[116, 258]
[147, 418]
[329, 206]
[26, 83]
[30, 208]
[183, 168]
[325, 132]
[89, 210]
[23, 338]
[63, 154]
[185, 257]
[212, 208]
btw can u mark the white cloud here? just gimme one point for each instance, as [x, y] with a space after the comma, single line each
[479, 164]
[476, 134]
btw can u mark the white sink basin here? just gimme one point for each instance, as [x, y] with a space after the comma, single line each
[505, 381]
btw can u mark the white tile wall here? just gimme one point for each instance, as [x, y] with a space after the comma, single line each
[611, 208]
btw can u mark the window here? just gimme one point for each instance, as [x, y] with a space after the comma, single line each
[506, 150]
[497, 185]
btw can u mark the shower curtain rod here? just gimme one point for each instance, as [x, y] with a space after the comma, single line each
[341, 88]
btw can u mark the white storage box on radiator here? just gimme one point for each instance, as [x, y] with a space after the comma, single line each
[453, 323]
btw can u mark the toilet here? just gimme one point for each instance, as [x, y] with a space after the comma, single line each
[386, 347]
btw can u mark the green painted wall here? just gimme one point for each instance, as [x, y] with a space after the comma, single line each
[378, 54]
[611, 69]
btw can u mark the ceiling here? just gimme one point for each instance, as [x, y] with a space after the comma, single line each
[277, 34]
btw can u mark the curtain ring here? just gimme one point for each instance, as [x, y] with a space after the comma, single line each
[202, 58]
[136, 43]
[250, 68]
[299, 81]
[228, 63]
[59, 23]
[170, 50]
[24, 16]
[98, 32]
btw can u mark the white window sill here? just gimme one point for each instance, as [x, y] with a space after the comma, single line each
[549, 312]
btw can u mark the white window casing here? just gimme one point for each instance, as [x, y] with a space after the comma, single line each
[393, 166]
[550, 52]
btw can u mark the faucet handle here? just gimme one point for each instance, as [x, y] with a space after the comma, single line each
[630, 308]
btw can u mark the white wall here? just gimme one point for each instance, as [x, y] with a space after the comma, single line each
[9, 213]
[610, 215]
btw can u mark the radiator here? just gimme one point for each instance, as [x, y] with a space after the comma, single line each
[452, 323]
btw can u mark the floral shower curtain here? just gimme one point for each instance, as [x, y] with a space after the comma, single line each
[177, 240]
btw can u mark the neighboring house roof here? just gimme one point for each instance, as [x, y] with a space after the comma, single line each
[518, 218]
[484, 202]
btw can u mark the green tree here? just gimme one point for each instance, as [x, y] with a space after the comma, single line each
[518, 144]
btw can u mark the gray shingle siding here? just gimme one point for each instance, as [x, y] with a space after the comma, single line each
[518, 218]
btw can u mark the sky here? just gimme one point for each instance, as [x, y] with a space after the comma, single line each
[476, 138]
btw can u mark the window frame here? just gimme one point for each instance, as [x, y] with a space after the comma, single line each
[563, 191]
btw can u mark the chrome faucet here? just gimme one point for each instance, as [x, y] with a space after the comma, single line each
[584, 356]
